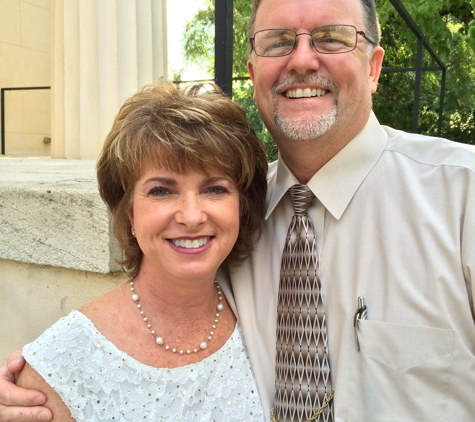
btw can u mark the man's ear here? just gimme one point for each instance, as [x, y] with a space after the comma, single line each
[250, 68]
[375, 66]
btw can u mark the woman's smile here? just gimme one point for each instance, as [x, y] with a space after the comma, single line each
[190, 243]
[187, 245]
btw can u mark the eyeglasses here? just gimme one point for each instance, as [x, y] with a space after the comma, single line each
[329, 39]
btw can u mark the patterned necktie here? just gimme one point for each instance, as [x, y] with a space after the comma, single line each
[303, 382]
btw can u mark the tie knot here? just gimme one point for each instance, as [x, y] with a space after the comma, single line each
[300, 196]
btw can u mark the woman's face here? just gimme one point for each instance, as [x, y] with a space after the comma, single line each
[185, 224]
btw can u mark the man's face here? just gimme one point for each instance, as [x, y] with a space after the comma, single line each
[308, 94]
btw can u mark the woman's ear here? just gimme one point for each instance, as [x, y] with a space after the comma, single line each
[130, 214]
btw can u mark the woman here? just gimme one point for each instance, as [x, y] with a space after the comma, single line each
[184, 177]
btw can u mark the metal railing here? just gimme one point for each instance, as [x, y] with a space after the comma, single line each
[421, 43]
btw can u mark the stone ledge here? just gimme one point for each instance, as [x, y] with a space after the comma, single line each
[51, 214]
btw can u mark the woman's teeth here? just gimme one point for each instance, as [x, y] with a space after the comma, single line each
[190, 244]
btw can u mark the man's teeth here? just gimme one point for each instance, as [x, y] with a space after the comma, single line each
[305, 93]
[189, 244]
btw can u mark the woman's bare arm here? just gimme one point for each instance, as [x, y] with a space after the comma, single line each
[30, 379]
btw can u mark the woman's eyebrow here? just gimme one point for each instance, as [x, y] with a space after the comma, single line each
[164, 180]
[217, 179]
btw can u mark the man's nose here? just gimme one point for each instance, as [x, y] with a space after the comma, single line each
[304, 57]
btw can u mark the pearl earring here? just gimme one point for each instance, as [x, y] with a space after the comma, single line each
[132, 231]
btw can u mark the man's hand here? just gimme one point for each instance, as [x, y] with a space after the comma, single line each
[19, 404]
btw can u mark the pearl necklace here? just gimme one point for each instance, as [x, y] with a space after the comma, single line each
[159, 340]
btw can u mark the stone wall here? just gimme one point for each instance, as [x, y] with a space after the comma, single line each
[32, 297]
[56, 249]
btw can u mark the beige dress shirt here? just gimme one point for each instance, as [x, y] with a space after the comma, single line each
[395, 220]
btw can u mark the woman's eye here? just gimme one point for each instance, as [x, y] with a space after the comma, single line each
[216, 190]
[158, 191]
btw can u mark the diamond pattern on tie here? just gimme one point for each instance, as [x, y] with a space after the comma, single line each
[303, 380]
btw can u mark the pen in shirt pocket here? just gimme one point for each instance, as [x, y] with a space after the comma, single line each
[361, 314]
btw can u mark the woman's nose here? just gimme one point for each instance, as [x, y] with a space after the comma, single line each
[191, 212]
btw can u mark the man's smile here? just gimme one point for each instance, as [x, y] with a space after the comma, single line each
[305, 92]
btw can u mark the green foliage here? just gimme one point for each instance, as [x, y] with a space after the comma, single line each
[242, 95]
[199, 49]
[449, 25]
[199, 38]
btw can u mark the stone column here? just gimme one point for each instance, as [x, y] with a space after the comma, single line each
[104, 51]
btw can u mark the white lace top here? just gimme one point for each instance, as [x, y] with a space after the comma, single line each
[99, 382]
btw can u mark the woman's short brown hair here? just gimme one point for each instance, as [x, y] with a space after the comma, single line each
[199, 128]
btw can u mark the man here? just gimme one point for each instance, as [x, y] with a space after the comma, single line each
[393, 215]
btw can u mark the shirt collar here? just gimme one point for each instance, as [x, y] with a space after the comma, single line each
[338, 180]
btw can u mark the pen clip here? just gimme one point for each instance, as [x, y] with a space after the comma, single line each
[361, 314]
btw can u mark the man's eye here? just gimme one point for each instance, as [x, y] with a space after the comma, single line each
[332, 40]
[158, 191]
[281, 43]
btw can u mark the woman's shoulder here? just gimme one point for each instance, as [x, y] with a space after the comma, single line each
[78, 330]
[72, 322]
[105, 307]
[72, 331]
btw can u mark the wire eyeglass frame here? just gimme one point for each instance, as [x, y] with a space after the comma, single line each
[331, 39]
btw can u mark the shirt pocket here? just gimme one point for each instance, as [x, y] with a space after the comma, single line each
[402, 373]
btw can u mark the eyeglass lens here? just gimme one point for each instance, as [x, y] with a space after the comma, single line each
[326, 39]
